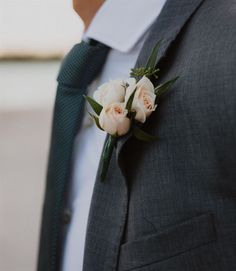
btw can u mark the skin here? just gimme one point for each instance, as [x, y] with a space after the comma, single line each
[86, 9]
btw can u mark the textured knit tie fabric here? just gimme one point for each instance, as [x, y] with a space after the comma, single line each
[79, 68]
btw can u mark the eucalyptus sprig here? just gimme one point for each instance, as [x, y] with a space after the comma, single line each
[150, 69]
[138, 73]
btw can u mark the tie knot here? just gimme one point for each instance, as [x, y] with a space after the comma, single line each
[82, 64]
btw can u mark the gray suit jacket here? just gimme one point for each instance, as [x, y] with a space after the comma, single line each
[170, 205]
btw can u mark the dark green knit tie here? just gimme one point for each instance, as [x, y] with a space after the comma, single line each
[79, 68]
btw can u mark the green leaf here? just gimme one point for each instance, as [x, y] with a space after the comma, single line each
[131, 115]
[106, 155]
[141, 135]
[161, 89]
[95, 105]
[130, 100]
[138, 73]
[96, 120]
[153, 57]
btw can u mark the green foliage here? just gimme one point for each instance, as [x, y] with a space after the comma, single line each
[138, 73]
[96, 120]
[97, 108]
[130, 100]
[141, 135]
[149, 70]
[163, 88]
[151, 63]
[106, 155]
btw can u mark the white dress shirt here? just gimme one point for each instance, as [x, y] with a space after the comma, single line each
[122, 25]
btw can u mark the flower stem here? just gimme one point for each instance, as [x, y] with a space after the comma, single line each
[106, 155]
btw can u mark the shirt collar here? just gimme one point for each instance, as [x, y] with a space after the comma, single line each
[120, 23]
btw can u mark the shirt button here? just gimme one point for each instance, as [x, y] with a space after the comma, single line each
[66, 216]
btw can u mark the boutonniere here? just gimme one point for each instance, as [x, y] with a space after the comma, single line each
[122, 106]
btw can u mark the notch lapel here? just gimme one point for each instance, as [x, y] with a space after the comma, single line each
[174, 15]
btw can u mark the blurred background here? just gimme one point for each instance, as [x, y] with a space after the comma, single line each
[34, 36]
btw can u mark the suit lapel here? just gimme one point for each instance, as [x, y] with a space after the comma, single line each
[174, 15]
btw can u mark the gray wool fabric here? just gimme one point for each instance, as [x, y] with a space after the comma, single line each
[170, 205]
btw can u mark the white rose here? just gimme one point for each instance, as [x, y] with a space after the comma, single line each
[113, 119]
[144, 98]
[110, 92]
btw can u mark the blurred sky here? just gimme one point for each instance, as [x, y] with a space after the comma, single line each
[38, 27]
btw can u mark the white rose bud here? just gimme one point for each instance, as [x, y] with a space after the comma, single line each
[144, 98]
[110, 92]
[113, 119]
